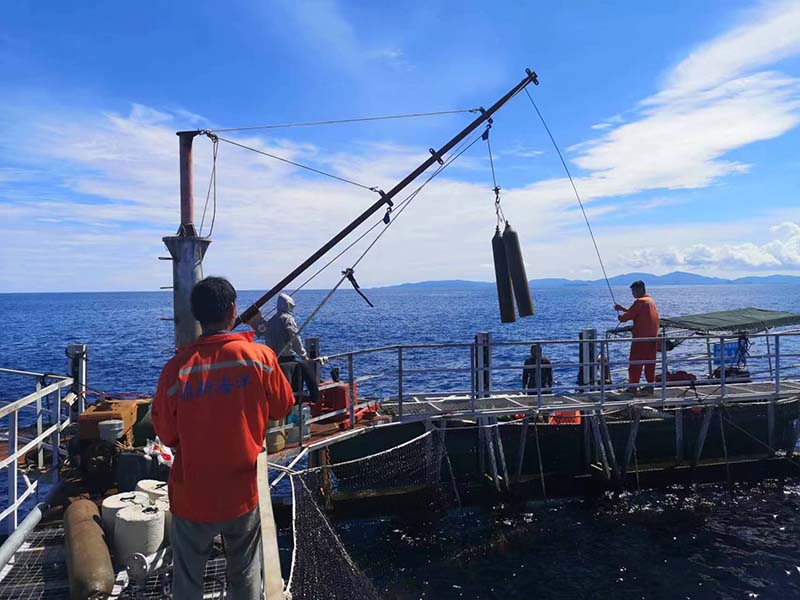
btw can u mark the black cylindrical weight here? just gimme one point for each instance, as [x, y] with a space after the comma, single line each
[504, 292]
[516, 268]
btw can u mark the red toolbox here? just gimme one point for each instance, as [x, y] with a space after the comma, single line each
[333, 397]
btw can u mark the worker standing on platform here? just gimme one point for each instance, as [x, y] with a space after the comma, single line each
[212, 405]
[644, 315]
[283, 337]
[531, 378]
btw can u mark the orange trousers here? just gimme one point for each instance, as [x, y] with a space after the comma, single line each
[641, 351]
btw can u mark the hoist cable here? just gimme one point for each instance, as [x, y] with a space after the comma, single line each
[398, 210]
[413, 195]
[401, 207]
[302, 166]
[352, 120]
[496, 189]
[577, 195]
[212, 185]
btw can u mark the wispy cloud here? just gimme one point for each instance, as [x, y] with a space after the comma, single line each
[713, 102]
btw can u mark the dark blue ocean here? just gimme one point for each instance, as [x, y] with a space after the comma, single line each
[704, 542]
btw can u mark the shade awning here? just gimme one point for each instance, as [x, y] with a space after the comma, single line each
[744, 320]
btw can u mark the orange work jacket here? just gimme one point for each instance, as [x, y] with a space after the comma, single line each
[644, 315]
[212, 404]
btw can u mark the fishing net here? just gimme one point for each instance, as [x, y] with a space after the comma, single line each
[321, 565]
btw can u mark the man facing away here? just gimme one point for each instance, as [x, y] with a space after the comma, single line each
[212, 404]
[644, 315]
[530, 378]
[283, 337]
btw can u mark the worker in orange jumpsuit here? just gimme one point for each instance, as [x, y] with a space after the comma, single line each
[212, 405]
[644, 315]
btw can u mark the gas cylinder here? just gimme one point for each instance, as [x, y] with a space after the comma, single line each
[516, 268]
[505, 296]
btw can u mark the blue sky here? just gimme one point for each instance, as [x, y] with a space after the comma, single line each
[680, 124]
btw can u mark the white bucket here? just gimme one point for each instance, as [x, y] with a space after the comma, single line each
[138, 529]
[111, 430]
[163, 504]
[154, 488]
[113, 504]
[293, 434]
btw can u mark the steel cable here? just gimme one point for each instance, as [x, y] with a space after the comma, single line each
[577, 195]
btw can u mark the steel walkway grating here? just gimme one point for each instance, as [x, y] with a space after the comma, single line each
[38, 571]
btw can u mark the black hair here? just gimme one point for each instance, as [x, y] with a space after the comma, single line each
[534, 349]
[639, 284]
[211, 300]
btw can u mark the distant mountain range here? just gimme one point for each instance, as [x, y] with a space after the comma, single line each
[674, 278]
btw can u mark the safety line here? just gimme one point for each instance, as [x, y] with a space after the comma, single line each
[577, 195]
[302, 166]
[352, 120]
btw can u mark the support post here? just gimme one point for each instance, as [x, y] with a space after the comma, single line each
[777, 364]
[185, 139]
[501, 453]
[39, 424]
[351, 393]
[632, 434]
[539, 378]
[586, 353]
[473, 393]
[186, 249]
[77, 354]
[710, 358]
[722, 367]
[13, 471]
[600, 446]
[400, 379]
[678, 435]
[483, 364]
[187, 269]
[701, 437]
[602, 373]
[492, 458]
[664, 369]
[56, 439]
[606, 437]
[523, 440]
[314, 351]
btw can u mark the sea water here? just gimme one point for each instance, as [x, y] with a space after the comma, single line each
[697, 542]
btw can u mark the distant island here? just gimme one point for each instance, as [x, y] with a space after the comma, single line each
[674, 278]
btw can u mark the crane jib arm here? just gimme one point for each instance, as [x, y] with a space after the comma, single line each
[386, 197]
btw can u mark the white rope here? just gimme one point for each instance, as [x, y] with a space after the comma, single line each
[363, 458]
[294, 537]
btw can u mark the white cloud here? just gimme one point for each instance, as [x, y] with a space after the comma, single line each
[112, 179]
[767, 35]
[782, 253]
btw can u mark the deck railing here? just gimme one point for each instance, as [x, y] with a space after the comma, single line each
[48, 409]
[484, 367]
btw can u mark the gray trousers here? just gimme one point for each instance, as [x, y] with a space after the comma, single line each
[191, 547]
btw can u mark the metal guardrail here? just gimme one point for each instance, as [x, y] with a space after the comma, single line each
[480, 366]
[59, 399]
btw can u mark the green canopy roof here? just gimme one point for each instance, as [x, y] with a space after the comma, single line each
[744, 319]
